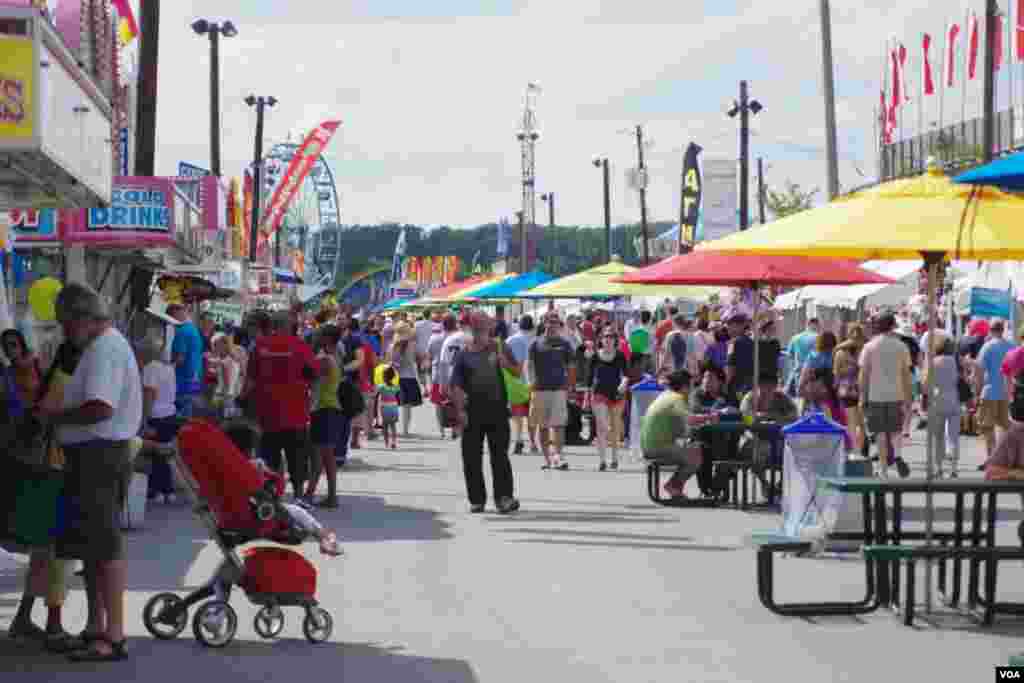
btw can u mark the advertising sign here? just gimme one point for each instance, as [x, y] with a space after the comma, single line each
[224, 312]
[690, 197]
[16, 97]
[720, 205]
[187, 170]
[122, 141]
[32, 225]
[141, 213]
[990, 303]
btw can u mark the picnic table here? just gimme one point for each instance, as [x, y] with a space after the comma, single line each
[970, 539]
[768, 431]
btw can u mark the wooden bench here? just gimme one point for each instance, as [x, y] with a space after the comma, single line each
[910, 554]
[768, 544]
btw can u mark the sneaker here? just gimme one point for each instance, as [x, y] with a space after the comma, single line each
[563, 466]
[303, 502]
[615, 464]
[546, 466]
[518, 449]
[534, 450]
[602, 467]
[476, 509]
[394, 446]
[25, 630]
[507, 506]
[902, 468]
[170, 499]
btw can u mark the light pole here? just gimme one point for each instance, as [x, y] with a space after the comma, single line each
[214, 31]
[549, 197]
[744, 108]
[643, 191]
[602, 163]
[828, 80]
[260, 103]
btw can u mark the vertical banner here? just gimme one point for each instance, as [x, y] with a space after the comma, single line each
[17, 96]
[452, 269]
[438, 269]
[122, 142]
[503, 233]
[426, 271]
[719, 210]
[690, 198]
[305, 158]
[247, 200]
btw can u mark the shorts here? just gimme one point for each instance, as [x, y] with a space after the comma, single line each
[95, 485]
[409, 391]
[885, 417]
[992, 414]
[549, 409]
[521, 410]
[438, 396]
[325, 426]
[388, 413]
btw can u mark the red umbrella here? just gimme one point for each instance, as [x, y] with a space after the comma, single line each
[746, 270]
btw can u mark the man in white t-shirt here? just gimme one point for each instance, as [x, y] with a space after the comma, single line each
[886, 391]
[423, 329]
[453, 346]
[101, 415]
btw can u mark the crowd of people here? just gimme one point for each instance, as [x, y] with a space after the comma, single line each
[315, 389]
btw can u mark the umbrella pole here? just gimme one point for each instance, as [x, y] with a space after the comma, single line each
[931, 259]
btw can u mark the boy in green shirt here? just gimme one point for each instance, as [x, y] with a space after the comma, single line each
[664, 429]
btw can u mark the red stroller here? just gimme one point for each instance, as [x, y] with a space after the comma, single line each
[239, 503]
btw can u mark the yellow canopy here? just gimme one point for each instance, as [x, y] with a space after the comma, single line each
[897, 220]
[597, 282]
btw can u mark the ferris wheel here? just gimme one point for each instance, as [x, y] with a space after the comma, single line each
[315, 209]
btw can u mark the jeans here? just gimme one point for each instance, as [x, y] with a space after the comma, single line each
[185, 405]
[161, 477]
[946, 434]
[498, 436]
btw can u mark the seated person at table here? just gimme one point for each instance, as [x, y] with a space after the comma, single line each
[772, 405]
[665, 427]
[1007, 460]
[710, 398]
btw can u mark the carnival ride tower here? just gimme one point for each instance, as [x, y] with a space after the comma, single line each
[528, 136]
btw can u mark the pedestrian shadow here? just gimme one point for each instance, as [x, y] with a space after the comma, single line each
[595, 534]
[597, 517]
[288, 659]
[364, 519]
[632, 545]
[361, 465]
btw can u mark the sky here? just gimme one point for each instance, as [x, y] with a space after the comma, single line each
[430, 94]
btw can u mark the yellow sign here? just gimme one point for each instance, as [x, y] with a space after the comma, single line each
[16, 87]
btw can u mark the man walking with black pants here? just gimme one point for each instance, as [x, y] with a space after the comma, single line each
[478, 391]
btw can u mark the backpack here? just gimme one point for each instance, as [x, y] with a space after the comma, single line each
[640, 340]
[350, 399]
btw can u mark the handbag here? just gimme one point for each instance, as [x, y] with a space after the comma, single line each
[963, 387]
[350, 399]
[517, 390]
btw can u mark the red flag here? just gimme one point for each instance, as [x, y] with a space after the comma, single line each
[897, 98]
[926, 46]
[973, 41]
[952, 33]
[903, 72]
[997, 44]
[1020, 30]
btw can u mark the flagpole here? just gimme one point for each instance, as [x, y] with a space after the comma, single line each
[942, 86]
[920, 106]
[1010, 32]
[965, 75]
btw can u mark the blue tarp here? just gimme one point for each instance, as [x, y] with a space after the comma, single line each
[509, 288]
[1006, 173]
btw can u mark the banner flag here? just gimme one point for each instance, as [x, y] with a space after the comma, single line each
[247, 199]
[690, 198]
[299, 167]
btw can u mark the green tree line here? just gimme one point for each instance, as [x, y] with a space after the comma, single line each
[561, 249]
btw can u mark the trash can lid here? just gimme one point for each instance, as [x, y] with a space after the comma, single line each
[647, 384]
[815, 423]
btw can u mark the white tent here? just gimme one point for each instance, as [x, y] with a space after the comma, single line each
[850, 296]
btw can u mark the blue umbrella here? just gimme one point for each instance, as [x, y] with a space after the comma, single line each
[1006, 173]
[510, 287]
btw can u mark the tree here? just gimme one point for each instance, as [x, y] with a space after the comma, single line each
[792, 199]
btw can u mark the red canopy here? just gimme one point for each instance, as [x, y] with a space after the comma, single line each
[743, 270]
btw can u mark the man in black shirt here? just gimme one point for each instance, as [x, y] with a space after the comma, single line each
[478, 391]
[739, 368]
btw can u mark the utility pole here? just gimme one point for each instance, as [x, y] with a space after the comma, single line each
[643, 191]
[760, 189]
[260, 103]
[989, 128]
[602, 163]
[527, 137]
[550, 199]
[831, 154]
[145, 118]
[522, 243]
[743, 108]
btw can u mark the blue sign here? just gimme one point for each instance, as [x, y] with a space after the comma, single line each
[990, 303]
[123, 142]
[29, 225]
[186, 170]
[133, 209]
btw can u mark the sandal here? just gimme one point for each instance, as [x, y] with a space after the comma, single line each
[117, 653]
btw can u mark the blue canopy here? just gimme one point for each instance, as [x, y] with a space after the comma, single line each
[286, 277]
[395, 303]
[1006, 173]
[510, 287]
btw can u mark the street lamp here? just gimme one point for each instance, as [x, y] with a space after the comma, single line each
[744, 108]
[214, 31]
[549, 197]
[602, 163]
[260, 103]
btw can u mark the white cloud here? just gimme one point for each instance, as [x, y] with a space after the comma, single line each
[430, 107]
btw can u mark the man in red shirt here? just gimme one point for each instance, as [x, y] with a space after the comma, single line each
[662, 330]
[280, 371]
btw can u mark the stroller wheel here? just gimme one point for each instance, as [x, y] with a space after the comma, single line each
[269, 622]
[159, 627]
[215, 623]
[317, 625]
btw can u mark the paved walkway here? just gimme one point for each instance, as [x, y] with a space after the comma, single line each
[590, 582]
